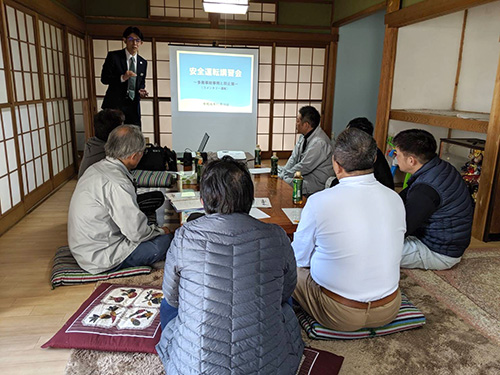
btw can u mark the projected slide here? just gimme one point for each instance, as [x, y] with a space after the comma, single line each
[214, 82]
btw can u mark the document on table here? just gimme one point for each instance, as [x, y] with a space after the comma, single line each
[293, 214]
[187, 204]
[259, 170]
[258, 214]
[261, 203]
[183, 195]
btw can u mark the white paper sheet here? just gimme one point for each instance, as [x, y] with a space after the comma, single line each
[261, 203]
[258, 214]
[183, 195]
[187, 205]
[293, 214]
[259, 170]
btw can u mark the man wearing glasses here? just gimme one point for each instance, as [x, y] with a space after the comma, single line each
[124, 71]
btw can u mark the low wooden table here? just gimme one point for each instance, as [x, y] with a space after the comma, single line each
[280, 195]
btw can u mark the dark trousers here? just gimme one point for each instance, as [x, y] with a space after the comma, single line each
[167, 313]
[149, 203]
[148, 253]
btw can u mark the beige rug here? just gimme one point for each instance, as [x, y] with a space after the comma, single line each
[445, 345]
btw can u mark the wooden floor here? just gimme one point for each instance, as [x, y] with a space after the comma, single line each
[30, 311]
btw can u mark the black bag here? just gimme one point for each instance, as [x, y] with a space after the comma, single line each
[158, 158]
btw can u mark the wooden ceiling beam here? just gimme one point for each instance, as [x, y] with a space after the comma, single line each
[428, 9]
[201, 35]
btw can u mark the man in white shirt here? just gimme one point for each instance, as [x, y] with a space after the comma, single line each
[106, 228]
[124, 71]
[349, 242]
[311, 155]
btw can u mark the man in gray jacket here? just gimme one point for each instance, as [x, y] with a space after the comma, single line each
[312, 154]
[106, 228]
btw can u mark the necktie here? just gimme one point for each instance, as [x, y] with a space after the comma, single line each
[131, 80]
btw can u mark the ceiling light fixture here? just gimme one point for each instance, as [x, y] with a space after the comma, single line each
[225, 6]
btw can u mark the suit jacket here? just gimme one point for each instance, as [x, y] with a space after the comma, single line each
[116, 94]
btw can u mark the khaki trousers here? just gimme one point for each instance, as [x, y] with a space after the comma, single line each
[333, 314]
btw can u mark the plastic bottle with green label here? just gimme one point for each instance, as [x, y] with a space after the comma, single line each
[297, 188]
[199, 167]
[258, 157]
[274, 165]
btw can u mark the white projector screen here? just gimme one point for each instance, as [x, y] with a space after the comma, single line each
[214, 90]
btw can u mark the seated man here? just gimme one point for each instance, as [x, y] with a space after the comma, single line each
[227, 281]
[106, 228]
[438, 204]
[311, 155]
[104, 122]
[348, 243]
[381, 169]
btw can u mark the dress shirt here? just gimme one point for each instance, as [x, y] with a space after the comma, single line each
[128, 62]
[105, 223]
[352, 237]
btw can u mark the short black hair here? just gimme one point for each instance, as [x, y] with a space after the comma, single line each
[105, 121]
[355, 150]
[226, 187]
[417, 142]
[311, 115]
[132, 30]
[361, 123]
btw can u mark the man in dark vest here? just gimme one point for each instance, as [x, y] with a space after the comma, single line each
[124, 71]
[438, 205]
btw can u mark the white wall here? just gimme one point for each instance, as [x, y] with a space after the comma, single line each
[359, 60]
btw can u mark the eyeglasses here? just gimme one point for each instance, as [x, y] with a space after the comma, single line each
[138, 40]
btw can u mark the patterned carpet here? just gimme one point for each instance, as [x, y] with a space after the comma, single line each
[461, 337]
[471, 289]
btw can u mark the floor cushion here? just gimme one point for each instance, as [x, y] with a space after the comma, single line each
[117, 319]
[409, 317]
[66, 271]
[154, 178]
[114, 318]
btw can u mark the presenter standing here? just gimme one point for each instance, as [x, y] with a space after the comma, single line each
[124, 71]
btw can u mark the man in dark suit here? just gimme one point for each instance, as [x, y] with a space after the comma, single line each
[124, 71]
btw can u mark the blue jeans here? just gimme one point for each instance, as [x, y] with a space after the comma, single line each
[148, 252]
[167, 313]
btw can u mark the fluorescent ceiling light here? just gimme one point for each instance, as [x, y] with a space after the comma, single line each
[225, 6]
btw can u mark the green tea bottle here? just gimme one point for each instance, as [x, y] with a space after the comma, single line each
[297, 187]
[274, 165]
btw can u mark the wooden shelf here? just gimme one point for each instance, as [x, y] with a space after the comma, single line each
[469, 121]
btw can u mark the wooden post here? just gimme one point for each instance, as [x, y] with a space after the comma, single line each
[330, 86]
[489, 167]
[386, 79]
[69, 94]
[156, 101]
[91, 97]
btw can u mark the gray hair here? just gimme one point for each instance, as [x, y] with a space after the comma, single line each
[355, 150]
[124, 141]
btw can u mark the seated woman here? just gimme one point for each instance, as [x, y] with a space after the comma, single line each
[230, 276]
